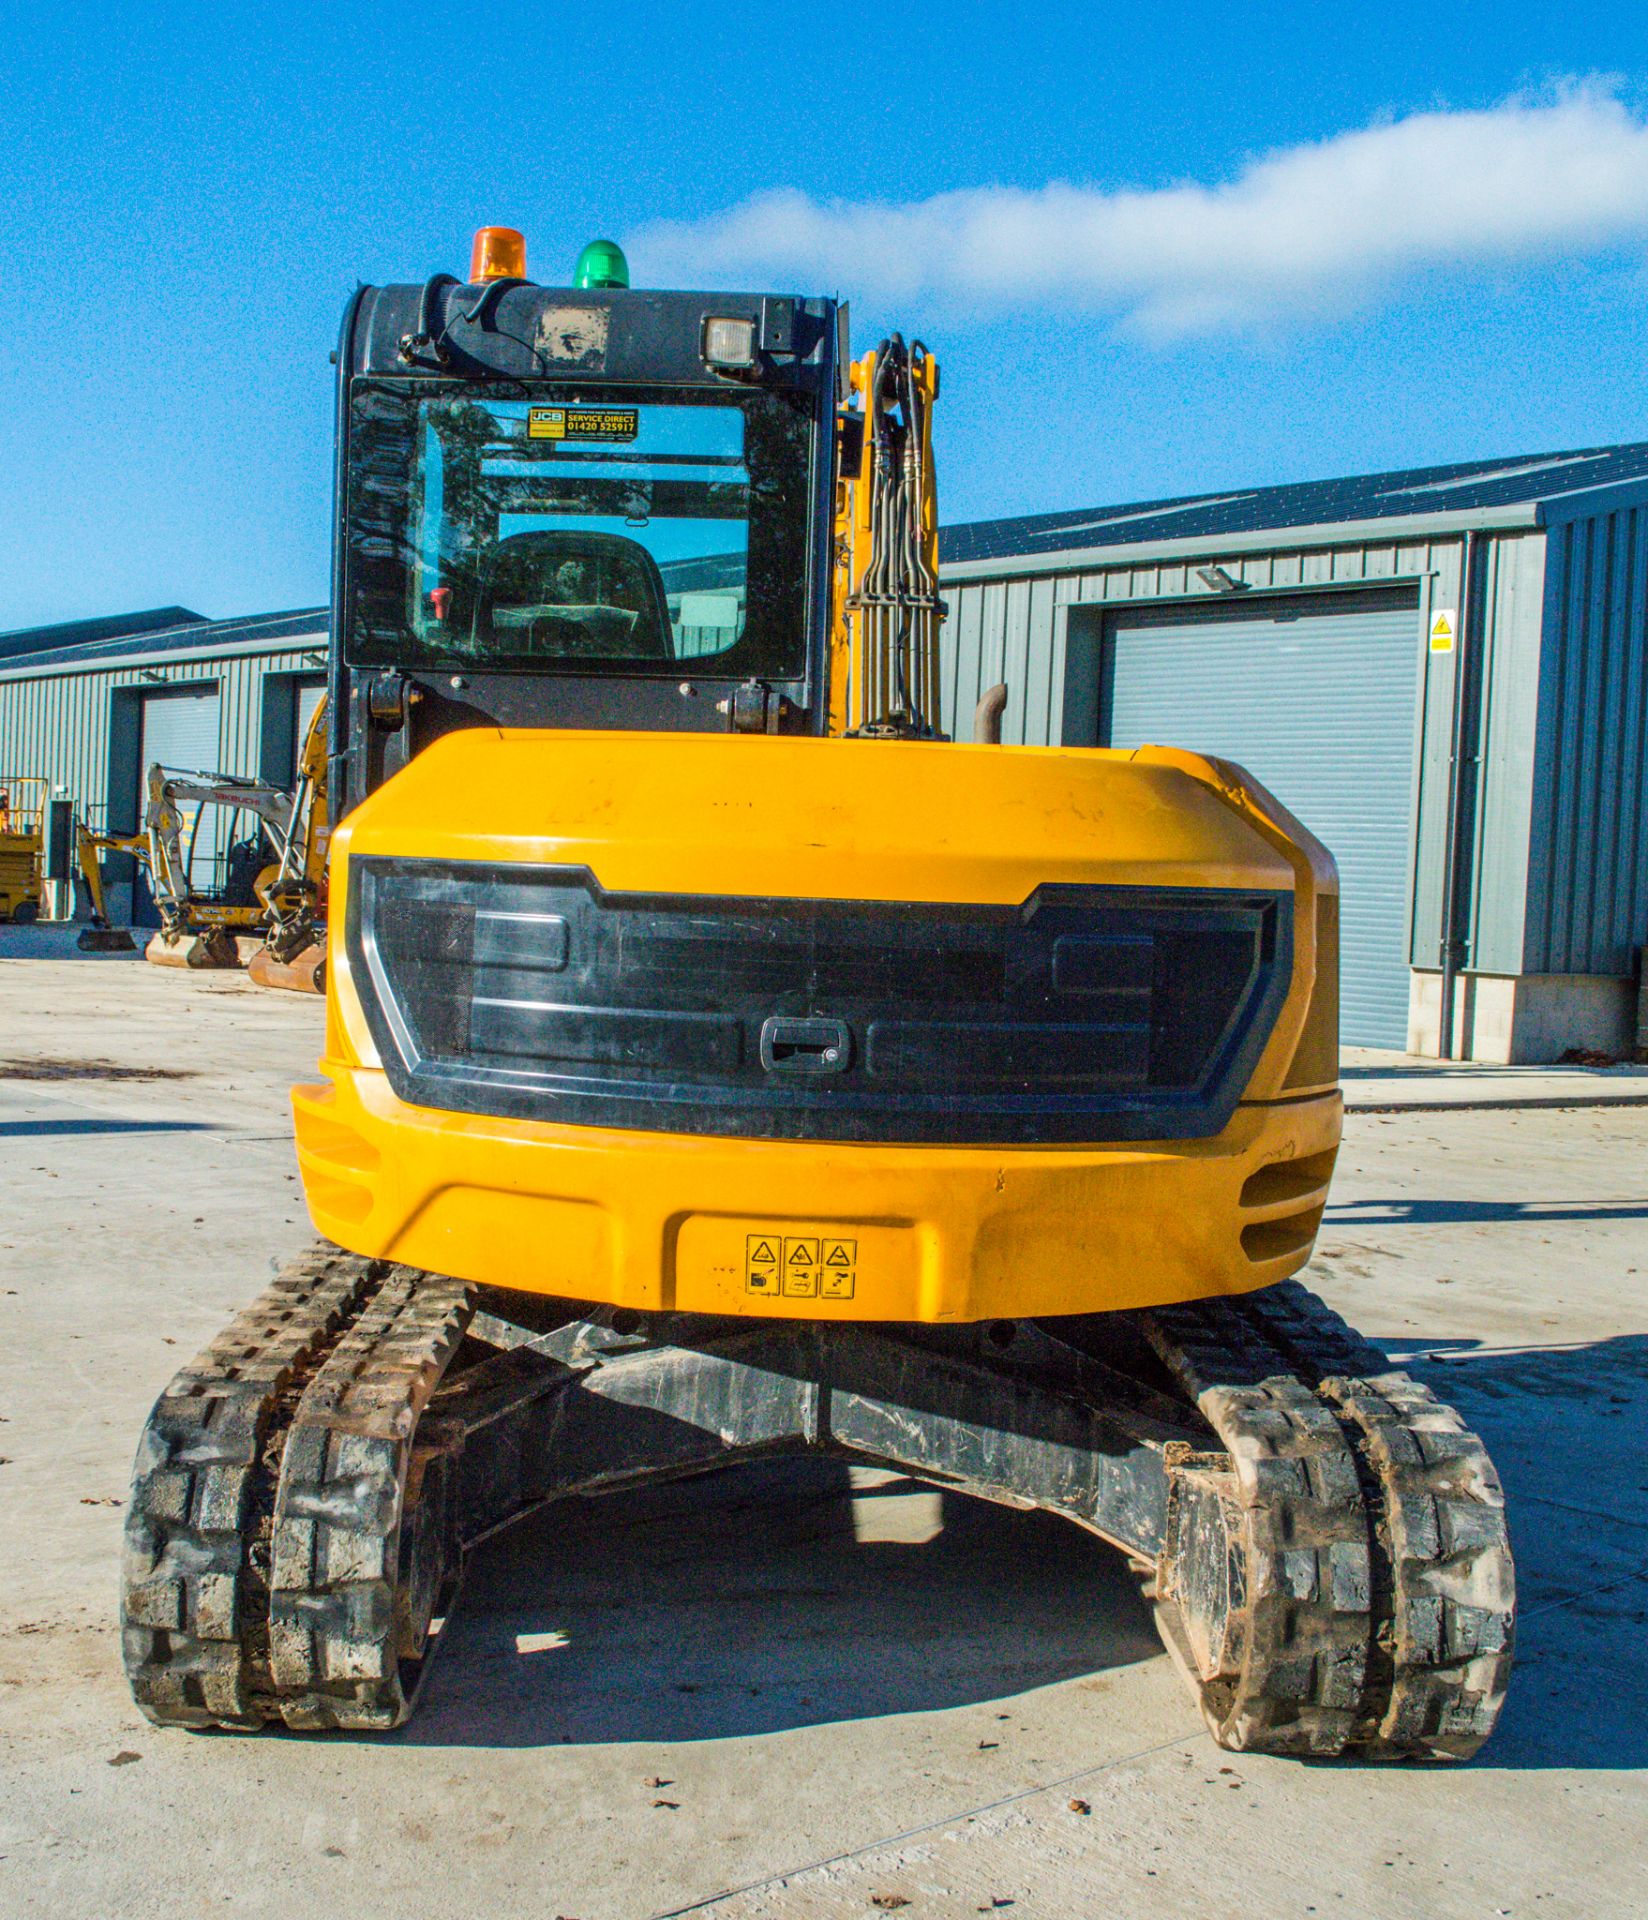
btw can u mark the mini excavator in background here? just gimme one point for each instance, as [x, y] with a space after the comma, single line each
[720, 1061]
[28, 852]
[283, 862]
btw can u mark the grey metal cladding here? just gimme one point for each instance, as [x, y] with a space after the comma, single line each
[1015, 629]
[1511, 592]
[58, 725]
[1588, 851]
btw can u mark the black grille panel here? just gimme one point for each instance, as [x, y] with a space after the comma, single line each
[1088, 1014]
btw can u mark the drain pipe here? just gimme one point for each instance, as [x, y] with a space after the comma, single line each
[1452, 856]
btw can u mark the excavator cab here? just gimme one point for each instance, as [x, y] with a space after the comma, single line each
[719, 1060]
[579, 507]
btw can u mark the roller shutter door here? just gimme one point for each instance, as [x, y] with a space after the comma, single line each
[1315, 697]
[309, 697]
[180, 730]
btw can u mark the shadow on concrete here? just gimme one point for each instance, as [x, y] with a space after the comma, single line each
[40, 1129]
[1443, 1071]
[775, 1596]
[761, 1598]
[1430, 1213]
[1566, 1427]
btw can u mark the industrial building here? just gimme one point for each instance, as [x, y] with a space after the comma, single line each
[92, 704]
[1443, 672]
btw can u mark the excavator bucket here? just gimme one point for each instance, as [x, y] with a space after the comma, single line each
[213, 948]
[304, 972]
[105, 940]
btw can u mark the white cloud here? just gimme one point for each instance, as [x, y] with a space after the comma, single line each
[1303, 232]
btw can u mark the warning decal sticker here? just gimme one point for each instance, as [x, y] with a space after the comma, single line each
[800, 1266]
[1443, 627]
[582, 423]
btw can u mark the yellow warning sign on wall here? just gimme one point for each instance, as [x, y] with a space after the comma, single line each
[1444, 625]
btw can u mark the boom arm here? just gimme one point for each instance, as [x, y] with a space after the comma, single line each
[169, 866]
[886, 607]
[295, 893]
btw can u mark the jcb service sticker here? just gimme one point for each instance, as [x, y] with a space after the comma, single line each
[582, 423]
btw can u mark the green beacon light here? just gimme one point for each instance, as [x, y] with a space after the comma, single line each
[601, 264]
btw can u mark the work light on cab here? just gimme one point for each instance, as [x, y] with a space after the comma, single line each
[499, 253]
[729, 345]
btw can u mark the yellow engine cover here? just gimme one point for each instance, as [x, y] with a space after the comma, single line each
[931, 1232]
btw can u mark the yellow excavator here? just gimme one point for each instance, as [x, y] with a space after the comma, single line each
[286, 871]
[27, 855]
[286, 884]
[22, 820]
[721, 1061]
[293, 891]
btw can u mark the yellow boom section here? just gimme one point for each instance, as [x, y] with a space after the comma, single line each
[885, 604]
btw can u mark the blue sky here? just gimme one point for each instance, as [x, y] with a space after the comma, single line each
[1289, 248]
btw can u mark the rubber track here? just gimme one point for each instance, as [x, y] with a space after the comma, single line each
[1376, 1620]
[343, 1652]
[1300, 1642]
[1440, 1522]
[192, 1595]
[263, 1538]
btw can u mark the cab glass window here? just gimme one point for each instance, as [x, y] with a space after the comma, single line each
[578, 531]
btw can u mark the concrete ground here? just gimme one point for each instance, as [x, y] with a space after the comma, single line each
[788, 1692]
[1376, 1081]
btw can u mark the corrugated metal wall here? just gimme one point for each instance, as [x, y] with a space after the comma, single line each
[56, 722]
[1560, 869]
[1014, 629]
[1510, 589]
[1017, 630]
[1588, 874]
